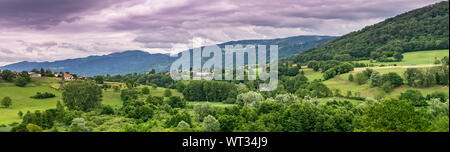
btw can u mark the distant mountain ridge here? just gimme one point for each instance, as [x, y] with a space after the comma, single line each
[135, 61]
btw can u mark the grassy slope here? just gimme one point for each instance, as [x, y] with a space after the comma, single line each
[21, 100]
[412, 58]
[416, 58]
[341, 82]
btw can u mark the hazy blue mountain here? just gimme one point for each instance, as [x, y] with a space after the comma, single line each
[139, 62]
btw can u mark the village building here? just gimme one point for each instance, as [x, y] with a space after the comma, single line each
[68, 77]
[34, 74]
[83, 77]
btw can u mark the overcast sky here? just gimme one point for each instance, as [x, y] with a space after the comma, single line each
[49, 30]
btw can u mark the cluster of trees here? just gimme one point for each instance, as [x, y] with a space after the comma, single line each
[287, 69]
[288, 113]
[323, 65]
[20, 79]
[44, 120]
[421, 29]
[387, 81]
[151, 78]
[332, 68]
[300, 86]
[384, 56]
[209, 91]
[339, 69]
[82, 95]
[428, 77]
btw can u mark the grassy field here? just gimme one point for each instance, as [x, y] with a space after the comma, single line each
[21, 100]
[311, 74]
[342, 83]
[416, 58]
[410, 59]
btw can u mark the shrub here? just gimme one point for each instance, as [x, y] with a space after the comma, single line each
[145, 90]
[210, 124]
[6, 102]
[414, 96]
[361, 78]
[167, 93]
[43, 95]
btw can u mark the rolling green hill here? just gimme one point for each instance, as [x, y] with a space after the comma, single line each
[21, 100]
[420, 59]
[421, 29]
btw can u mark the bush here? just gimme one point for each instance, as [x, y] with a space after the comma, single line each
[392, 77]
[6, 102]
[145, 90]
[414, 96]
[107, 110]
[350, 78]
[249, 99]
[43, 95]
[183, 127]
[176, 102]
[210, 124]
[33, 128]
[442, 96]
[167, 93]
[177, 118]
[361, 78]
[230, 101]
[21, 81]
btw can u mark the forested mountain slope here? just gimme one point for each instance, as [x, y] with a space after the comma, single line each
[425, 28]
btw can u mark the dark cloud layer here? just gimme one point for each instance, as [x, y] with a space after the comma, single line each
[42, 14]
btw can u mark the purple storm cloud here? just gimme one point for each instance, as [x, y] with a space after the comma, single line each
[48, 30]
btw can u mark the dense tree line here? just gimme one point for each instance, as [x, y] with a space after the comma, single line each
[209, 91]
[339, 69]
[152, 78]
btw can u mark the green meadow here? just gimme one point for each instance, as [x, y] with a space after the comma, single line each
[415, 58]
[342, 83]
[21, 100]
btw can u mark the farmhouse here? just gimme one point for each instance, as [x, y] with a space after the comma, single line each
[68, 77]
[34, 74]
